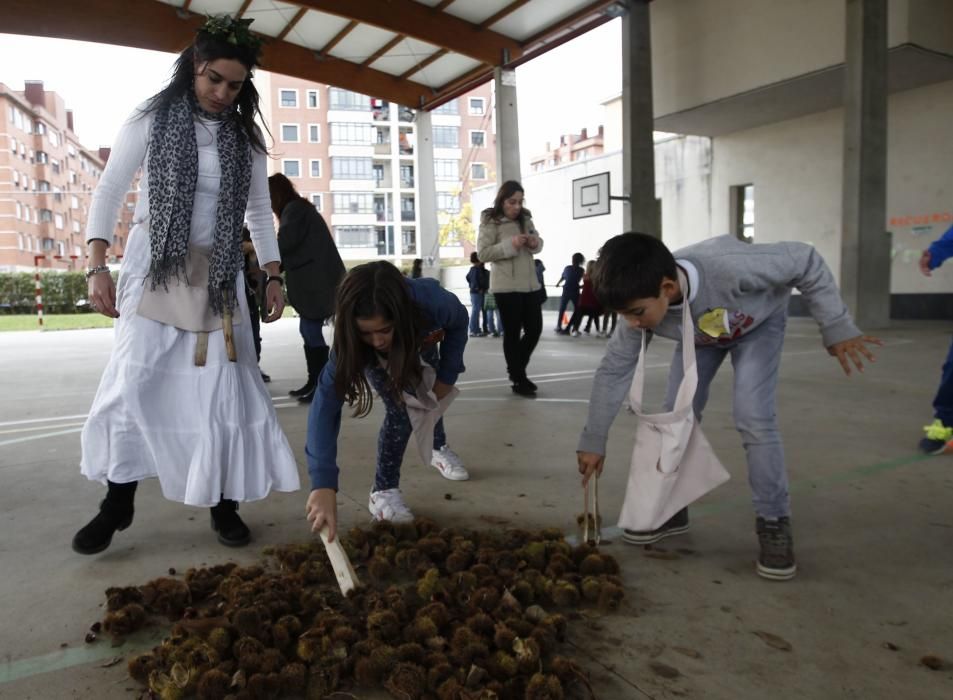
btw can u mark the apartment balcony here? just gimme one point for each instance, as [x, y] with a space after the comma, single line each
[384, 183]
[381, 114]
[382, 149]
[407, 183]
[408, 215]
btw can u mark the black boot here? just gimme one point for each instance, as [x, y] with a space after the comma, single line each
[232, 532]
[115, 513]
[309, 385]
[317, 359]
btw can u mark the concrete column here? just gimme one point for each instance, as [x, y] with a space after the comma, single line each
[428, 233]
[865, 243]
[641, 211]
[507, 126]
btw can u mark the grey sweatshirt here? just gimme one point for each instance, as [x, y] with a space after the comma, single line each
[737, 284]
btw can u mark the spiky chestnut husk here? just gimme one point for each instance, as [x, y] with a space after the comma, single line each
[220, 639]
[482, 624]
[545, 637]
[565, 594]
[450, 689]
[503, 637]
[521, 627]
[125, 621]
[559, 623]
[247, 645]
[264, 686]
[485, 598]
[527, 653]
[544, 687]
[272, 661]
[407, 681]
[516, 538]
[611, 597]
[346, 634]
[458, 560]
[522, 590]
[420, 629]
[408, 559]
[558, 565]
[438, 674]
[534, 554]
[591, 588]
[247, 621]
[379, 569]
[411, 652]
[437, 612]
[425, 526]
[120, 597]
[434, 548]
[293, 678]
[141, 666]
[383, 527]
[213, 685]
[383, 624]
[429, 584]
[580, 552]
[481, 571]
[502, 666]
[406, 532]
[592, 565]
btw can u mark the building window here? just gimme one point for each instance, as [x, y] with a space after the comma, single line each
[291, 167]
[352, 168]
[73, 202]
[478, 139]
[315, 167]
[355, 236]
[448, 202]
[406, 175]
[314, 133]
[288, 98]
[446, 169]
[313, 100]
[58, 221]
[289, 133]
[19, 210]
[352, 133]
[741, 212]
[348, 100]
[13, 145]
[446, 137]
[353, 203]
[317, 200]
[477, 106]
[478, 171]
[451, 107]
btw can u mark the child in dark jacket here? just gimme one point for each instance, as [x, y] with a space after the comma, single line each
[738, 295]
[479, 281]
[386, 328]
[570, 281]
[588, 305]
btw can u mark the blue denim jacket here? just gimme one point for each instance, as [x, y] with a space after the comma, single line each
[442, 310]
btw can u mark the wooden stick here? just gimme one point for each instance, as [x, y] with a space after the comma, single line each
[201, 348]
[343, 570]
[229, 332]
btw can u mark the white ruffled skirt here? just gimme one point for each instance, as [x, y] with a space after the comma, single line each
[205, 432]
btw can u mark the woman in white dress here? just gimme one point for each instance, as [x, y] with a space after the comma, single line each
[178, 400]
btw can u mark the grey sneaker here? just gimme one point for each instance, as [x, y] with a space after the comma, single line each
[676, 525]
[776, 561]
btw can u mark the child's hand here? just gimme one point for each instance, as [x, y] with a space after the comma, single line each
[589, 463]
[851, 350]
[440, 389]
[321, 510]
[925, 263]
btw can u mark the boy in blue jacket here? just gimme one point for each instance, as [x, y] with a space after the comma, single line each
[939, 434]
[738, 293]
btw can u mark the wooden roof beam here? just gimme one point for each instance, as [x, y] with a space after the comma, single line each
[417, 21]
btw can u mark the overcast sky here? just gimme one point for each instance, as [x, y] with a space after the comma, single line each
[558, 93]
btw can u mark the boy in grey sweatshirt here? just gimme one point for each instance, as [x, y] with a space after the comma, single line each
[738, 295]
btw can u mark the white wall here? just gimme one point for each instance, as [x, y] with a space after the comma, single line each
[705, 50]
[795, 167]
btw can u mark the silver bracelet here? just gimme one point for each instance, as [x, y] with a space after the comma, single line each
[96, 270]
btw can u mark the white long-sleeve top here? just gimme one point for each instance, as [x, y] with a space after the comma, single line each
[129, 155]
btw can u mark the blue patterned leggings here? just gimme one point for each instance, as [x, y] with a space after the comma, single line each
[395, 433]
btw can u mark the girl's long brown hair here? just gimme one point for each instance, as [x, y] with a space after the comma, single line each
[282, 193]
[369, 290]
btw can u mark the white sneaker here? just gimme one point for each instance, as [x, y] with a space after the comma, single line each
[575, 334]
[389, 505]
[449, 464]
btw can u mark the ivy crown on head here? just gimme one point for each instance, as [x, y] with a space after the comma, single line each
[232, 30]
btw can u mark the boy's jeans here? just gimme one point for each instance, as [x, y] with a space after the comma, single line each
[756, 358]
[476, 311]
[943, 401]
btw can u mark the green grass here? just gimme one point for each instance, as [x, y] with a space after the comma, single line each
[54, 322]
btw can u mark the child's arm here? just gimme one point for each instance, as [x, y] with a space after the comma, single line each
[609, 387]
[937, 253]
[321, 451]
[445, 309]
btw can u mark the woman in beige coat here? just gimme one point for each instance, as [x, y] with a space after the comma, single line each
[508, 239]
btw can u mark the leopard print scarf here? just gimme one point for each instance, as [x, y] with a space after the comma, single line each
[173, 173]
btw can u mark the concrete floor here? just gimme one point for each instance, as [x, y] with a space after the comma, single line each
[873, 521]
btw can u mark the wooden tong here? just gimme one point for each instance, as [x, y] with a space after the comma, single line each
[592, 489]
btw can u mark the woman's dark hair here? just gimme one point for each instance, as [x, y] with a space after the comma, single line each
[207, 48]
[417, 269]
[474, 258]
[631, 266]
[578, 259]
[282, 193]
[370, 290]
[507, 190]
